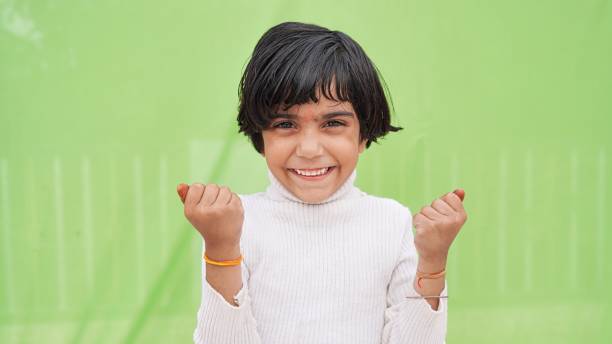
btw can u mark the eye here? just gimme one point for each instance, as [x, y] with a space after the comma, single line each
[281, 125]
[339, 124]
[288, 125]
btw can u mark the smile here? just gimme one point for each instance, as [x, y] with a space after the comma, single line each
[314, 174]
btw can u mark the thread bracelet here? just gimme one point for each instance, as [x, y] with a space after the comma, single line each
[232, 262]
[424, 275]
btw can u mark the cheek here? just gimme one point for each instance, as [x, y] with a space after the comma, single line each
[276, 151]
[346, 149]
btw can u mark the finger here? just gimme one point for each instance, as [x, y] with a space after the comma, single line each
[442, 207]
[236, 200]
[460, 193]
[454, 201]
[211, 192]
[194, 194]
[225, 195]
[431, 213]
[419, 220]
[182, 189]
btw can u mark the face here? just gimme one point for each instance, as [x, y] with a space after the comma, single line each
[318, 139]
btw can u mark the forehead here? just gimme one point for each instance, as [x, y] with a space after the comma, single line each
[323, 109]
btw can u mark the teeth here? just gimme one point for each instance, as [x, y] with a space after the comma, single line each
[312, 173]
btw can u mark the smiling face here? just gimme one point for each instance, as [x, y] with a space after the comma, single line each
[313, 138]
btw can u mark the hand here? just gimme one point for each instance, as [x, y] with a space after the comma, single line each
[437, 226]
[216, 212]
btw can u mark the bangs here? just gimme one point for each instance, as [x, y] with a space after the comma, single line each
[318, 73]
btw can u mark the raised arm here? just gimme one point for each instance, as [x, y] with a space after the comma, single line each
[224, 315]
[416, 307]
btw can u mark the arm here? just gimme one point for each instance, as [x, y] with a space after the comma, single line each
[431, 286]
[412, 320]
[217, 214]
[417, 320]
[226, 280]
[220, 319]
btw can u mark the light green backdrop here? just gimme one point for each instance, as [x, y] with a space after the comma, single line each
[105, 106]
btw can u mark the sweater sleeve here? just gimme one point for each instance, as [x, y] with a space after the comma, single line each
[411, 320]
[223, 323]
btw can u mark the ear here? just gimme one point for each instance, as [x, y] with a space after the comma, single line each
[362, 146]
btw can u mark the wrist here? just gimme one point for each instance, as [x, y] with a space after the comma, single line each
[221, 253]
[431, 265]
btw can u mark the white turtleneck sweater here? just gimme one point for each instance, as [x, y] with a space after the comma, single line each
[334, 272]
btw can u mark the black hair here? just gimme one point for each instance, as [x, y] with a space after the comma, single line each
[292, 61]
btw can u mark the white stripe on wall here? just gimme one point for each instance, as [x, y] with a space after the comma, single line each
[87, 222]
[7, 253]
[601, 220]
[163, 207]
[114, 226]
[501, 243]
[139, 224]
[573, 230]
[528, 204]
[60, 229]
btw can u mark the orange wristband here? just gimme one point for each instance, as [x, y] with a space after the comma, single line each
[232, 262]
[421, 275]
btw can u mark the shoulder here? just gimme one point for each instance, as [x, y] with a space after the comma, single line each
[393, 220]
[251, 198]
[389, 207]
[390, 204]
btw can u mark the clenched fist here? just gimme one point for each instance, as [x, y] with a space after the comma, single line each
[437, 225]
[215, 211]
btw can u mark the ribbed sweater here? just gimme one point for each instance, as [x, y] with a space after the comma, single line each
[337, 271]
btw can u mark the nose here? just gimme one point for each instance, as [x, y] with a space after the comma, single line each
[309, 147]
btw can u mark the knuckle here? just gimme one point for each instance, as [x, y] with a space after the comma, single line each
[225, 190]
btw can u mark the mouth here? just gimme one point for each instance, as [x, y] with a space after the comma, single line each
[312, 174]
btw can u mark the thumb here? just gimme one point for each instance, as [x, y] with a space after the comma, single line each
[460, 193]
[182, 189]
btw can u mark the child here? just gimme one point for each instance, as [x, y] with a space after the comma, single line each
[313, 259]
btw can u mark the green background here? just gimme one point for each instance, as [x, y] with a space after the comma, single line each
[105, 106]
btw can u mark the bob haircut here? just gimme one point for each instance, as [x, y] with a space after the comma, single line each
[293, 60]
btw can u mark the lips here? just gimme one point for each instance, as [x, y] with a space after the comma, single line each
[313, 177]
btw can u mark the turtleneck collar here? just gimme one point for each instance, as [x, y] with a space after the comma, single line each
[277, 191]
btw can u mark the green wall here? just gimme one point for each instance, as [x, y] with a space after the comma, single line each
[105, 106]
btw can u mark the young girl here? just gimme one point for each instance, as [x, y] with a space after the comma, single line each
[313, 259]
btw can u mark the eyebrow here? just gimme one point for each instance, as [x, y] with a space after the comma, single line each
[326, 116]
